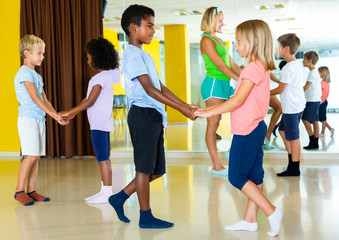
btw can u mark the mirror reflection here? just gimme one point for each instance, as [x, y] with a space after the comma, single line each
[283, 17]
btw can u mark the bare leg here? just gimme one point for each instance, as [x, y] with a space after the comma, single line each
[106, 172]
[140, 182]
[131, 187]
[212, 126]
[254, 194]
[33, 174]
[252, 209]
[24, 171]
[316, 129]
[308, 127]
[276, 105]
[323, 127]
[286, 142]
[295, 150]
[328, 126]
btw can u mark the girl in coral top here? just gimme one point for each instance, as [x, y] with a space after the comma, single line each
[248, 108]
[325, 89]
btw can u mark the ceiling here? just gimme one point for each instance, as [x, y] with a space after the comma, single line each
[314, 21]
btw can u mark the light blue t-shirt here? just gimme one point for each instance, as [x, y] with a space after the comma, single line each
[136, 62]
[28, 108]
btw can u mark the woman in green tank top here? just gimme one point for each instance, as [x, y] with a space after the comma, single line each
[220, 68]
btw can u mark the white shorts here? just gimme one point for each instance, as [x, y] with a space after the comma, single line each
[32, 134]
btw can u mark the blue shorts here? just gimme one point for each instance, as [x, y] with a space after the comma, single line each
[290, 125]
[101, 144]
[322, 111]
[311, 112]
[246, 157]
[215, 88]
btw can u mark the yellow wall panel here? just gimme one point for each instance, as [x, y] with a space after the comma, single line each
[177, 65]
[10, 64]
[154, 50]
[112, 36]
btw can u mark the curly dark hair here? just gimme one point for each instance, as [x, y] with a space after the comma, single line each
[103, 54]
[135, 14]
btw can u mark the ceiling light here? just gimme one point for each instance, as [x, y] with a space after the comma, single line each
[262, 7]
[284, 19]
[279, 6]
[182, 12]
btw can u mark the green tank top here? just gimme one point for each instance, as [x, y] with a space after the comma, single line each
[212, 70]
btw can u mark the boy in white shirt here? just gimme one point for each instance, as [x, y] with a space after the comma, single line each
[292, 101]
[312, 90]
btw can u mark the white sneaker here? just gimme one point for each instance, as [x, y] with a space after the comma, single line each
[332, 132]
[321, 134]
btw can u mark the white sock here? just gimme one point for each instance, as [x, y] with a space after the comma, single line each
[275, 222]
[103, 197]
[243, 226]
[107, 190]
[97, 194]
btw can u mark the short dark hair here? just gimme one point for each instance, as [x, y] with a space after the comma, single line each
[312, 55]
[282, 64]
[135, 14]
[103, 54]
[291, 40]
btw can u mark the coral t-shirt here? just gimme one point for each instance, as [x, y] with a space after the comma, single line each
[246, 118]
[325, 89]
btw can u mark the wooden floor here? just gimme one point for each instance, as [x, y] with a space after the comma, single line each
[199, 204]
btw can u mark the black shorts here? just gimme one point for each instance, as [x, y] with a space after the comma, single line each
[322, 111]
[311, 112]
[146, 130]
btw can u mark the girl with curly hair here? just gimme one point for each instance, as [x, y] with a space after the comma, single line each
[104, 60]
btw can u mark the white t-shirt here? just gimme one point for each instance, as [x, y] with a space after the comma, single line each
[293, 96]
[100, 113]
[313, 93]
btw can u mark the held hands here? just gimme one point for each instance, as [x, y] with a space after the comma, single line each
[59, 119]
[66, 115]
[203, 112]
[188, 111]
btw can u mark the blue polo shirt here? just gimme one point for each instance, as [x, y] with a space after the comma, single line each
[136, 62]
[28, 108]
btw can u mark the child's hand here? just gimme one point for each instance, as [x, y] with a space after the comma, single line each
[196, 107]
[203, 112]
[66, 115]
[55, 116]
[188, 112]
[63, 122]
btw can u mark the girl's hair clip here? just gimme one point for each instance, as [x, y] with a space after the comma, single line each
[216, 11]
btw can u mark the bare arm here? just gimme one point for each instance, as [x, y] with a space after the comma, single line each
[208, 47]
[86, 103]
[166, 98]
[307, 85]
[274, 78]
[279, 89]
[44, 104]
[235, 67]
[231, 104]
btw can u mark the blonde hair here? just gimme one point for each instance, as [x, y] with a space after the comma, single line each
[326, 73]
[209, 20]
[258, 34]
[29, 42]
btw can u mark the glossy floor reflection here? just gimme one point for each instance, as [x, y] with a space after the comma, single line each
[180, 137]
[199, 204]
